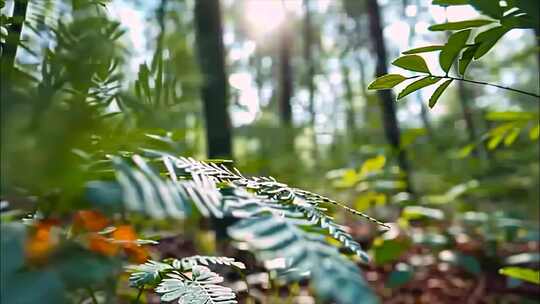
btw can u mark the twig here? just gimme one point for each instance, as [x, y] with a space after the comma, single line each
[92, 296]
[490, 84]
[139, 294]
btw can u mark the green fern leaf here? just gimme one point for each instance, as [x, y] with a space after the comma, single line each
[201, 288]
[190, 262]
[334, 276]
[147, 273]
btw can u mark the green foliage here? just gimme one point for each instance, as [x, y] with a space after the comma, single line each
[461, 25]
[152, 272]
[389, 250]
[274, 237]
[70, 269]
[466, 58]
[451, 50]
[424, 49]
[417, 85]
[412, 63]
[511, 125]
[525, 274]
[144, 191]
[147, 273]
[185, 281]
[420, 213]
[272, 216]
[438, 92]
[486, 40]
[190, 270]
[457, 46]
[386, 82]
[271, 219]
[200, 288]
[73, 128]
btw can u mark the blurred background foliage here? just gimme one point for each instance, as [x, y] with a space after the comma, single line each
[458, 183]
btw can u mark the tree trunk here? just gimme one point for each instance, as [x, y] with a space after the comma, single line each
[537, 37]
[9, 48]
[308, 44]
[285, 76]
[214, 92]
[349, 97]
[386, 97]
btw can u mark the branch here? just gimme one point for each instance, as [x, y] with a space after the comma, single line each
[489, 84]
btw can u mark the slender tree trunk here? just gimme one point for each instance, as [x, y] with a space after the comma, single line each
[349, 97]
[9, 48]
[386, 97]
[211, 54]
[537, 38]
[258, 76]
[285, 76]
[467, 112]
[426, 121]
[308, 44]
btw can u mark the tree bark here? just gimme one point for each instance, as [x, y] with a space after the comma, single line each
[308, 42]
[537, 38]
[9, 48]
[214, 92]
[386, 97]
[310, 73]
[285, 76]
[349, 97]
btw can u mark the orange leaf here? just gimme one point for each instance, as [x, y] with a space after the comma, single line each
[137, 254]
[90, 220]
[41, 243]
[100, 244]
[124, 233]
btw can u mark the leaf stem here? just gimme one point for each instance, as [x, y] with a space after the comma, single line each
[92, 296]
[489, 84]
[139, 294]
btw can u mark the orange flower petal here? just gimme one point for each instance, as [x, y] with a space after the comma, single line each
[137, 254]
[100, 244]
[41, 243]
[124, 233]
[90, 220]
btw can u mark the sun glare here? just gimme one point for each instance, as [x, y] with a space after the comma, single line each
[265, 16]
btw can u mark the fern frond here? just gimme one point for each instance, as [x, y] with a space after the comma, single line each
[269, 195]
[314, 198]
[334, 276]
[147, 273]
[144, 191]
[272, 217]
[190, 262]
[338, 232]
[266, 186]
[200, 288]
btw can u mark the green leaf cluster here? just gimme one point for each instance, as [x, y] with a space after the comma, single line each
[272, 218]
[459, 48]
